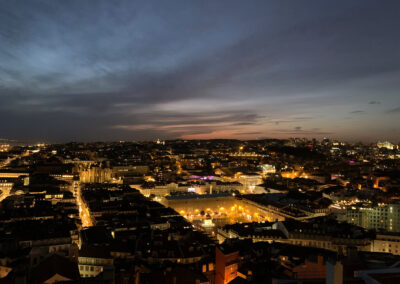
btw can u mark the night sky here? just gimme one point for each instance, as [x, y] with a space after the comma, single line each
[139, 70]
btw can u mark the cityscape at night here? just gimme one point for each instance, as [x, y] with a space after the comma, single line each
[199, 142]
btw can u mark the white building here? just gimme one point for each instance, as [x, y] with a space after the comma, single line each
[386, 243]
[386, 217]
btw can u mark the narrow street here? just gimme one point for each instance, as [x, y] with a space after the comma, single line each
[6, 193]
[84, 213]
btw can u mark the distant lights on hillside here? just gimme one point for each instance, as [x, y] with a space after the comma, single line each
[386, 145]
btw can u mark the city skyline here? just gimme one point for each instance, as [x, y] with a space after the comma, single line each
[199, 70]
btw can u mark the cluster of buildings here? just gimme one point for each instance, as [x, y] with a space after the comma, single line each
[210, 211]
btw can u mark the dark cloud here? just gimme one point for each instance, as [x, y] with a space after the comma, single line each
[394, 110]
[243, 123]
[374, 103]
[249, 133]
[315, 132]
[144, 69]
[357, 111]
[292, 120]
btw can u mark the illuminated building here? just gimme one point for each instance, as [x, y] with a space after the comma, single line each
[226, 265]
[6, 185]
[245, 154]
[95, 175]
[249, 181]
[217, 186]
[377, 182]
[95, 260]
[199, 187]
[295, 233]
[158, 190]
[12, 174]
[4, 147]
[389, 243]
[268, 169]
[121, 171]
[386, 217]
[385, 144]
